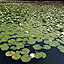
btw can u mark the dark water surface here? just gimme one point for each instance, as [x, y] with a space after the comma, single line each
[54, 56]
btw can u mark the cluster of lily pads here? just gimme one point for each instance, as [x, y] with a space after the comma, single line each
[27, 25]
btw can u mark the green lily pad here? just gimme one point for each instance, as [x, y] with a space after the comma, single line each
[24, 39]
[11, 42]
[18, 46]
[21, 45]
[43, 55]
[54, 44]
[14, 36]
[4, 39]
[38, 39]
[25, 51]
[37, 55]
[37, 47]
[25, 58]
[31, 41]
[40, 55]
[61, 48]
[61, 41]
[4, 47]
[47, 47]
[18, 39]
[46, 41]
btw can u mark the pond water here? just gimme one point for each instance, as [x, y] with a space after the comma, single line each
[54, 56]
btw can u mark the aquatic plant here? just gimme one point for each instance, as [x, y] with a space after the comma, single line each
[28, 26]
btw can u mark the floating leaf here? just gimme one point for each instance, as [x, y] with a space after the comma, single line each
[46, 41]
[43, 55]
[25, 58]
[18, 46]
[38, 39]
[9, 53]
[61, 41]
[18, 39]
[16, 57]
[31, 41]
[11, 42]
[47, 47]
[25, 51]
[54, 44]
[4, 46]
[61, 48]
[37, 55]
[40, 55]
[37, 47]
[21, 45]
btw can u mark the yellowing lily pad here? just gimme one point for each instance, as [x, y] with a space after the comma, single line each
[9, 53]
[16, 57]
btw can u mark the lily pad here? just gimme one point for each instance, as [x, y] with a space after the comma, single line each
[21, 45]
[18, 39]
[43, 55]
[9, 53]
[54, 44]
[4, 47]
[11, 42]
[25, 58]
[46, 41]
[16, 57]
[61, 48]
[40, 55]
[37, 47]
[25, 51]
[37, 55]
[47, 47]
[31, 41]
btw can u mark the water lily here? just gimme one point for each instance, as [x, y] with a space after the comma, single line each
[62, 36]
[27, 25]
[32, 55]
[62, 33]
[32, 35]
[50, 40]
[60, 23]
[20, 24]
[58, 34]
[57, 25]
[12, 21]
[26, 31]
